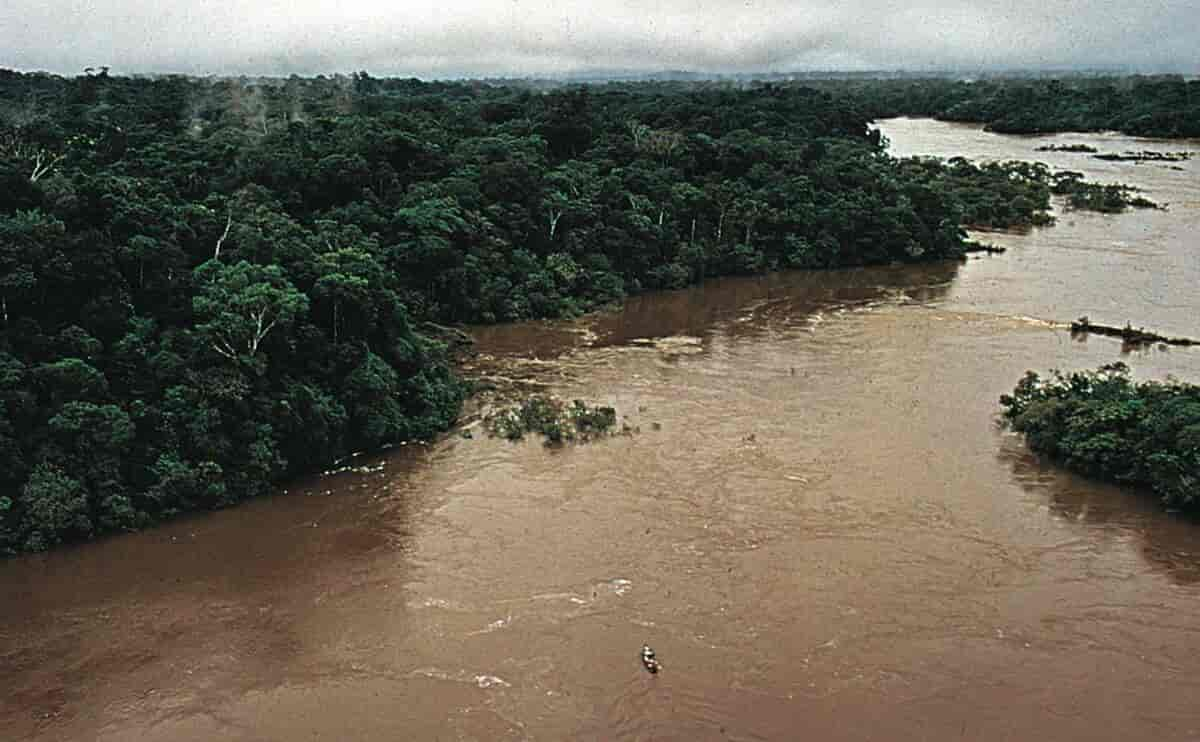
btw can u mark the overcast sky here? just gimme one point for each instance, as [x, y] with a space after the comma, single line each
[505, 37]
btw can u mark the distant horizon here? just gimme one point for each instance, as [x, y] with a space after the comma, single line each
[478, 39]
[607, 74]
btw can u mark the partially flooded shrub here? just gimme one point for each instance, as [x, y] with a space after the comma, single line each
[552, 418]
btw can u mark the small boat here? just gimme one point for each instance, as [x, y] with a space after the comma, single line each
[648, 659]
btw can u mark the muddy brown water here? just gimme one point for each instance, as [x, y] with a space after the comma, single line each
[819, 528]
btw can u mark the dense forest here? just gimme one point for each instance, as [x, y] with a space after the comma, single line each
[1103, 424]
[209, 285]
[1165, 106]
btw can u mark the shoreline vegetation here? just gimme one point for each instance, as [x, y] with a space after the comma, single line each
[1163, 106]
[208, 286]
[1104, 425]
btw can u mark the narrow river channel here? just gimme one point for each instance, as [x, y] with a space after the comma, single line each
[819, 526]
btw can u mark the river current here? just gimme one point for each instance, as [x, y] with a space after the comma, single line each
[816, 522]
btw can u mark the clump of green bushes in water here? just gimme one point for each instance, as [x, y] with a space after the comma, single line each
[558, 421]
[1110, 198]
[1104, 424]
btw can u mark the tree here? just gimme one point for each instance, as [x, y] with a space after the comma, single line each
[239, 305]
[93, 441]
[350, 279]
[54, 509]
[28, 243]
[37, 160]
[570, 191]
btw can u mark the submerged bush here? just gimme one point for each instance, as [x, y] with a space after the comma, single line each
[557, 421]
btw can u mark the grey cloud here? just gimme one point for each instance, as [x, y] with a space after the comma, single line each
[499, 37]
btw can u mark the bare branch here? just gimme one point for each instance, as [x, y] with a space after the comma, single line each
[267, 329]
[42, 165]
[224, 235]
[260, 330]
[224, 349]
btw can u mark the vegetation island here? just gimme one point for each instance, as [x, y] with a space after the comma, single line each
[1103, 424]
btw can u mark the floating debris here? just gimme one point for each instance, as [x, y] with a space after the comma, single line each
[1130, 335]
[355, 469]
[491, 681]
[496, 625]
[673, 344]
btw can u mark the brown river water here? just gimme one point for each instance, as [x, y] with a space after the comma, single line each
[819, 526]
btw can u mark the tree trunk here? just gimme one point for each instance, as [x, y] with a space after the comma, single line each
[224, 235]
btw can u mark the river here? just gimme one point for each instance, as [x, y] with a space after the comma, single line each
[818, 525]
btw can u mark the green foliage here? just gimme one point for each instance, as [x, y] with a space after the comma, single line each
[993, 194]
[1111, 199]
[54, 508]
[1103, 424]
[557, 421]
[591, 420]
[241, 304]
[1157, 106]
[215, 284]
